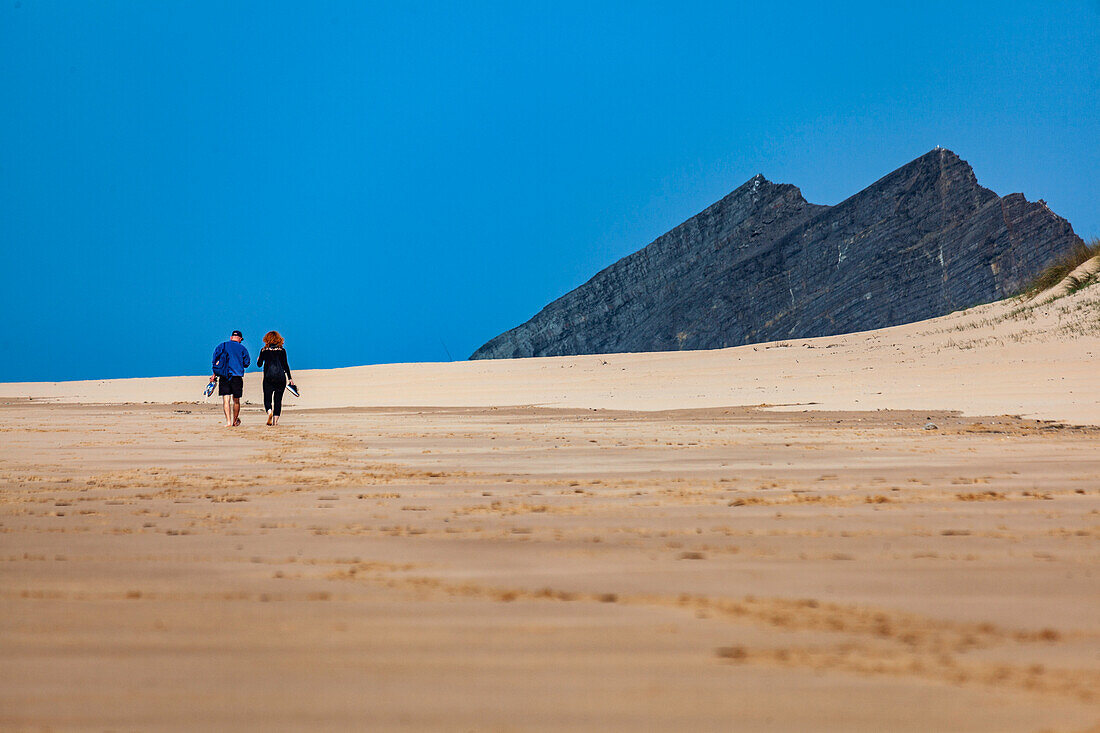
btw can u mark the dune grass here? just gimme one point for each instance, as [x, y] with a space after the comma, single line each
[1057, 270]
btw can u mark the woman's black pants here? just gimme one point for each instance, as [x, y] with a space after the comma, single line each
[273, 395]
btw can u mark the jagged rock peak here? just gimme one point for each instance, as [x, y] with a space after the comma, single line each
[763, 264]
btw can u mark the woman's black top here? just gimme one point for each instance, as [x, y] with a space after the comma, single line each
[273, 360]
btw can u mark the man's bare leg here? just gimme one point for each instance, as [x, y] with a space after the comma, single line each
[236, 412]
[227, 401]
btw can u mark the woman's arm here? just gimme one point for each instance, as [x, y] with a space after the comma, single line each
[260, 358]
[286, 367]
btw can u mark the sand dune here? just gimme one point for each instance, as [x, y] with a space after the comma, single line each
[827, 563]
[1032, 359]
[1081, 276]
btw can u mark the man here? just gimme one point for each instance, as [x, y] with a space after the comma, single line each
[229, 362]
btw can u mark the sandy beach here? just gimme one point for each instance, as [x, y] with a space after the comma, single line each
[1031, 359]
[893, 530]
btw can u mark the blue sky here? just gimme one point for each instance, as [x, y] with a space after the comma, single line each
[395, 181]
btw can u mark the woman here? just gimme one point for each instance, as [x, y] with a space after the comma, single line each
[276, 375]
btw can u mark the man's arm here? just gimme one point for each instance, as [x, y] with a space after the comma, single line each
[218, 351]
[247, 358]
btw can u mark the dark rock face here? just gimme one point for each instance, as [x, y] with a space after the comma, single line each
[763, 264]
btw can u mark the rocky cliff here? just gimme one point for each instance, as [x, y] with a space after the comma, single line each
[764, 264]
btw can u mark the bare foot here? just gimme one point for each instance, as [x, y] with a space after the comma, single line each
[269, 418]
[236, 422]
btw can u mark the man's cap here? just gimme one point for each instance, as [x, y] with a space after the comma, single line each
[237, 333]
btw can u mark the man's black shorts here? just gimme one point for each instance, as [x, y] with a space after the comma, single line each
[231, 386]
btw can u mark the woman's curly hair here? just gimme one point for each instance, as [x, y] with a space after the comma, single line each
[273, 339]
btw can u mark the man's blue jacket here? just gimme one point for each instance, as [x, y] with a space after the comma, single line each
[230, 359]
